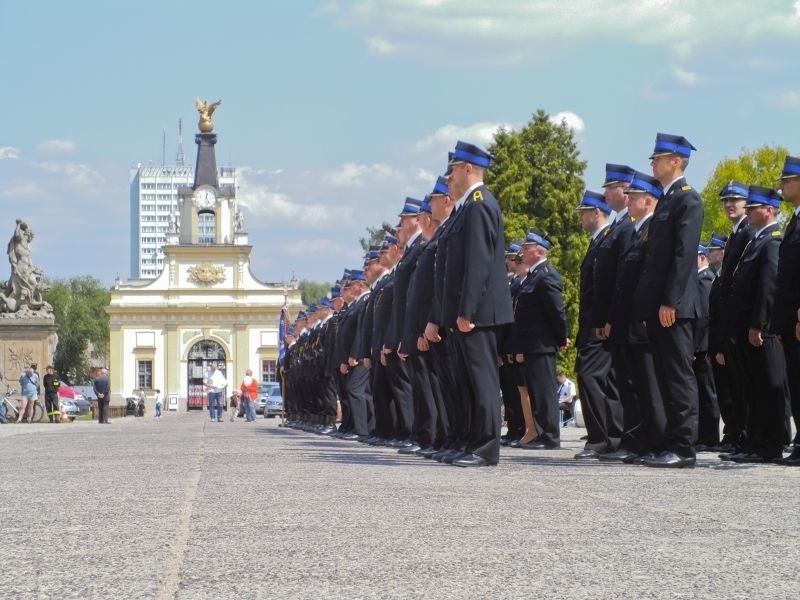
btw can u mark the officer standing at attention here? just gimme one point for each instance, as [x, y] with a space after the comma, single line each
[667, 296]
[51, 384]
[786, 312]
[596, 383]
[476, 298]
[708, 419]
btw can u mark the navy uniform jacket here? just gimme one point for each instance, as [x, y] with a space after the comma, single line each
[752, 291]
[439, 270]
[368, 319]
[787, 291]
[706, 279]
[719, 289]
[382, 315]
[669, 276]
[419, 297]
[611, 247]
[585, 323]
[331, 330]
[402, 278]
[625, 329]
[540, 322]
[347, 343]
[475, 284]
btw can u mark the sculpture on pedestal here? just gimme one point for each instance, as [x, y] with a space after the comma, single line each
[22, 293]
[205, 109]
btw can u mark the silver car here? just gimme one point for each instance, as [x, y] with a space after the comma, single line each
[264, 390]
[274, 403]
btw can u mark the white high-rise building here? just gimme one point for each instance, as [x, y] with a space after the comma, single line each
[154, 204]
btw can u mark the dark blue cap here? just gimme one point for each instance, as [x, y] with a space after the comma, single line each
[592, 200]
[440, 187]
[617, 174]
[672, 144]
[410, 208]
[717, 241]
[326, 303]
[425, 207]
[702, 250]
[513, 248]
[357, 275]
[372, 255]
[470, 153]
[537, 237]
[385, 246]
[644, 183]
[791, 167]
[336, 292]
[390, 239]
[301, 315]
[311, 309]
[290, 331]
[762, 196]
[733, 189]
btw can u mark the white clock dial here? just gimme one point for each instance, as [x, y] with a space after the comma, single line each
[205, 198]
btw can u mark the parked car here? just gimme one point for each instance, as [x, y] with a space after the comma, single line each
[66, 392]
[70, 408]
[274, 403]
[264, 390]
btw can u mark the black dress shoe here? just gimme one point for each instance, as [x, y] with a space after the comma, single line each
[410, 449]
[351, 437]
[638, 459]
[473, 460]
[670, 460]
[438, 456]
[454, 455]
[707, 448]
[618, 455]
[587, 453]
[754, 458]
[427, 452]
[540, 445]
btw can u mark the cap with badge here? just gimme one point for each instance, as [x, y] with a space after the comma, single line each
[357, 275]
[672, 144]
[513, 248]
[410, 208]
[336, 292]
[539, 238]
[592, 200]
[390, 239]
[762, 196]
[642, 183]
[469, 153]
[440, 187]
[733, 189]
[702, 250]
[618, 174]
[325, 303]
[791, 167]
[717, 241]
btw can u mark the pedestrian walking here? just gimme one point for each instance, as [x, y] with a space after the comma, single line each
[249, 390]
[29, 387]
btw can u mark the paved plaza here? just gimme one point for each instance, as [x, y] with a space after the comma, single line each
[182, 507]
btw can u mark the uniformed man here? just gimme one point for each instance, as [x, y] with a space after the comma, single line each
[749, 304]
[602, 409]
[667, 297]
[516, 420]
[51, 384]
[476, 300]
[539, 333]
[786, 312]
[708, 417]
[727, 374]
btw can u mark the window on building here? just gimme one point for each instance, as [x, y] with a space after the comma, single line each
[144, 369]
[206, 229]
[269, 371]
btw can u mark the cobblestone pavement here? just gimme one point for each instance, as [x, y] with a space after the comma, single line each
[182, 507]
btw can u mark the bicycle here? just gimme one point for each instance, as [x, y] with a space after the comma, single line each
[12, 409]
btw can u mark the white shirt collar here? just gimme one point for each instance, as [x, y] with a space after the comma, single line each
[739, 222]
[797, 212]
[701, 269]
[598, 231]
[364, 293]
[413, 238]
[760, 231]
[621, 214]
[536, 265]
[671, 183]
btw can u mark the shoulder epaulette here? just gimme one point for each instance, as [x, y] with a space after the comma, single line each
[477, 196]
[606, 231]
[686, 188]
[776, 233]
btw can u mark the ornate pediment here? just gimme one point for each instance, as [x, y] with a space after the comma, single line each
[206, 274]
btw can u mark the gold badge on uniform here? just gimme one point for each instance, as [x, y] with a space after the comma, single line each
[477, 196]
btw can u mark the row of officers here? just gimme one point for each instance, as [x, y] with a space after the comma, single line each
[418, 344]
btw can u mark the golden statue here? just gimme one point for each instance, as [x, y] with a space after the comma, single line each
[205, 109]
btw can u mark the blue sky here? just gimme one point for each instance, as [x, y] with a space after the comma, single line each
[336, 111]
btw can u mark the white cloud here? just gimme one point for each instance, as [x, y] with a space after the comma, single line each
[356, 175]
[571, 120]
[58, 147]
[444, 139]
[687, 78]
[8, 152]
[381, 46]
[329, 247]
[789, 99]
[77, 173]
[22, 190]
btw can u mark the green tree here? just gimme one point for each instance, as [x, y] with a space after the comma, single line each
[79, 307]
[761, 166]
[537, 178]
[375, 235]
[311, 292]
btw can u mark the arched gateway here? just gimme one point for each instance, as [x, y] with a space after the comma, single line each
[198, 360]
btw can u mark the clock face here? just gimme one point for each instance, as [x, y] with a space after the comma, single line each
[205, 198]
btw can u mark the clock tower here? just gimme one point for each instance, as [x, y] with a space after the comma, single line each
[207, 211]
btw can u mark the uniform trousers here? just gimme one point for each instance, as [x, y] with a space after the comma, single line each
[602, 409]
[708, 417]
[791, 353]
[344, 402]
[512, 402]
[425, 385]
[382, 401]
[440, 362]
[539, 371]
[51, 406]
[477, 357]
[623, 360]
[460, 430]
[402, 394]
[673, 353]
[648, 435]
[357, 382]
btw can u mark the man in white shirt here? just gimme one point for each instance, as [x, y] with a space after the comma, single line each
[215, 383]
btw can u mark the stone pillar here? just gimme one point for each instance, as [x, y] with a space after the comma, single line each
[24, 341]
